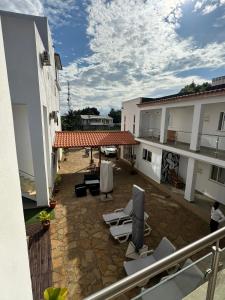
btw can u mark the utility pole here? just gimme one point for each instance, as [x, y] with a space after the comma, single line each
[68, 96]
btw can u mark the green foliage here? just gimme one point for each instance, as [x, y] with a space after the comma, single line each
[31, 216]
[55, 293]
[116, 115]
[195, 88]
[44, 216]
[72, 120]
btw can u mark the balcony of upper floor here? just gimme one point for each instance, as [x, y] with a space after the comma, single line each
[187, 129]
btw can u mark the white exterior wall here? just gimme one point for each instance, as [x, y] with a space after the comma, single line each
[207, 186]
[180, 119]
[182, 171]
[14, 271]
[150, 120]
[49, 97]
[23, 142]
[210, 125]
[204, 184]
[151, 169]
[34, 86]
[129, 110]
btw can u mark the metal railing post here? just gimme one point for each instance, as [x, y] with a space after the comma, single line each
[213, 276]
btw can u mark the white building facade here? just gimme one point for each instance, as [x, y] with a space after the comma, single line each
[93, 122]
[32, 68]
[14, 271]
[183, 133]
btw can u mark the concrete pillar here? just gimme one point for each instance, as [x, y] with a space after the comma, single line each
[14, 270]
[137, 124]
[190, 180]
[37, 136]
[164, 125]
[197, 124]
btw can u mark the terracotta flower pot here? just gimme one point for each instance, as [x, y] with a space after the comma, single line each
[52, 204]
[46, 224]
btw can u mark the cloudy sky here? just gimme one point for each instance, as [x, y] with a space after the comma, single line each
[116, 50]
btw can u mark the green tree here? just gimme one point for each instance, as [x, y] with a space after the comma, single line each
[195, 88]
[116, 115]
[89, 111]
[72, 120]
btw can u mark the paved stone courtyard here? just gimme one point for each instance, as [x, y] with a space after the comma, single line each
[85, 257]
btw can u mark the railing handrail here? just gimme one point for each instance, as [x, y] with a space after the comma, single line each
[151, 271]
[20, 171]
[174, 275]
[209, 134]
[151, 128]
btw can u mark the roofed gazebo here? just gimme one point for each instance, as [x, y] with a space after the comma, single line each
[93, 139]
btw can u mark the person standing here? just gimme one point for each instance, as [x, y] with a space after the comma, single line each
[216, 217]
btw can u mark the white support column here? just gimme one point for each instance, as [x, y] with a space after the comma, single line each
[197, 123]
[137, 123]
[190, 180]
[37, 136]
[14, 262]
[164, 125]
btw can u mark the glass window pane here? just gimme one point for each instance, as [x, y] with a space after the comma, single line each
[144, 155]
[214, 173]
[221, 176]
[149, 157]
[220, 125]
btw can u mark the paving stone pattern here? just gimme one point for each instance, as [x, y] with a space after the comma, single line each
[85, 258]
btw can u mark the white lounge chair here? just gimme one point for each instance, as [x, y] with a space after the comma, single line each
[122, 232]
[177, 286]
[164, 249]
[119, 215]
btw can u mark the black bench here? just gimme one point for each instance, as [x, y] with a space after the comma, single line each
[80, 190]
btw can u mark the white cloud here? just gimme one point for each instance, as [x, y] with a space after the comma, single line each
[207, 6]
[23, 6]
[136, 52]
[58, 11]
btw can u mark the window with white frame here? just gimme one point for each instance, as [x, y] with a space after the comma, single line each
[218, 174]
[147, 155]
[124, 123]
[221, 125]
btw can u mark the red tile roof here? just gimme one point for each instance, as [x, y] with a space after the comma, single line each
[72, 139]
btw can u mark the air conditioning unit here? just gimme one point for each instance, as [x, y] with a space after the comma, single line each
[45, 59]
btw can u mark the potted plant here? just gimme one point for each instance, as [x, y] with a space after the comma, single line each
[45, 218]
[52, 203]
[52, 293]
